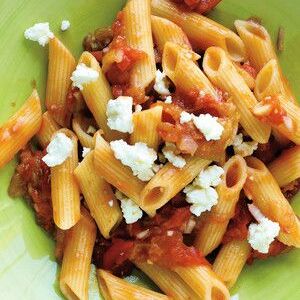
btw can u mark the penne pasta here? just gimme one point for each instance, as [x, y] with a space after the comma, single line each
[115, 173]
[47, 129]
[165, 31]
[250, 81]
[168, 281]
[231, 260]
[262, 188]
[114, 288]
[145, 125]
[223, 74]
[204, 282]
[101, 201]
[80, 126]
[20, 128]
[286, 168]
[137, 19]
[179, 65]
[60, 68]
[76, 264]
[64, 189]
[213, 224]
[169, 181]
[202, 31]
[96, 95]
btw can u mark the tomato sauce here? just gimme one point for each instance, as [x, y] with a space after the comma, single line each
[249, 69]
[277, 113]
[119, 73]
[33, 182]
[200, 6]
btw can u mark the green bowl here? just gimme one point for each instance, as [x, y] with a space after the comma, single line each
[27, 266]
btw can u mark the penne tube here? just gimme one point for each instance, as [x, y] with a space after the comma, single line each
[204, 282]
[79, 243]
[168, 281]
[96, 95]
[262, 188]
[114, 288]
[60, 67]
[137, 19]
[231, 260]
[115, 173]
[101, 201]
[221, 71]
[179, 65]
[213, 224]
[260, 48]
[47, 129]
[202, 31]
[286, 168]
[16, 132]
[165, 31]
[257, 41]
[64, 189]
[80, 126]
[169, 181]
[145, 125]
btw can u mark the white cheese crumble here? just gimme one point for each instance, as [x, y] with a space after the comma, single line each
[58, 150]
[169, 153]
[138, 108]
[185, 117]
[85, 151]
[209, 177]
[65, 25]
[111, 203]
[162, 83]
[201, 193]
[209, 126]
[168, 100]
[243, 148]
[91, 130]
[119, 114]
[83, 75]
[139, 157]
[131, 211]
[261, 235]
[40, 33]
[201, 199]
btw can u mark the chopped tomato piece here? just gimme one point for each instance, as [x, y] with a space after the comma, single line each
[250, 69]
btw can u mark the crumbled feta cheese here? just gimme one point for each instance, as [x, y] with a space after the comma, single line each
[40, 33]
[119, 114]
[138, 108]
[261, 235]
[143, 234]
[169, 153]
[65, 25]
[201, 199]
[139, 157]
[83, 75]
[91, 130]
[111, 203]
[243, 148]
[58, 150]
[185, 117]
[161, 85]
[209, 177]
[209, 126]
[170, 233]
[235, 297]
[168, 100]
[85, 151]
[131, 211]
[190, 225]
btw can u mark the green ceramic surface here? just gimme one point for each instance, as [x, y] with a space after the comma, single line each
[27, 266]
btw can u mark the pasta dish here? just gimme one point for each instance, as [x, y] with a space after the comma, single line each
[171, 146]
